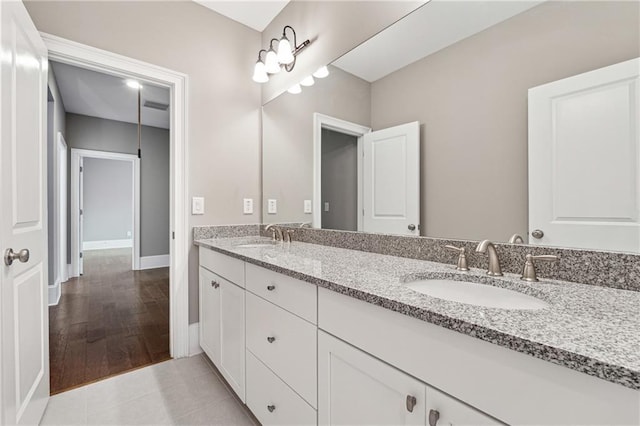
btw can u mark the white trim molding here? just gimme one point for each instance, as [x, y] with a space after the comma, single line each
[106, 244]
[73, 53]
[321, 121]
[152, 262]
[194, 339]
[54, 293]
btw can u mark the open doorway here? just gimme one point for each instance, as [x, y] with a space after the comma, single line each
[113, 313]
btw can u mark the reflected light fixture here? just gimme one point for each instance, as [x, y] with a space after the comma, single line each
[295, 89]
[134, 84]
[307, 81]
[283, 57]
[260, 70]
[322, 72]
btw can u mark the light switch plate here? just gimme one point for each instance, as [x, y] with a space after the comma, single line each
[307, 206]
[197, 205]
[272, 206]
[326, 206]
[247, 206]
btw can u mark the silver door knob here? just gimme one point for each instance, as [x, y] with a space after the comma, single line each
[10, 256]
[537, 233]
[411, 227]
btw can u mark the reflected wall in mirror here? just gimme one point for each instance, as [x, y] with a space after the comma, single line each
[464, 75]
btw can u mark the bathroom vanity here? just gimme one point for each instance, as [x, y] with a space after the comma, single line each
[307, 333]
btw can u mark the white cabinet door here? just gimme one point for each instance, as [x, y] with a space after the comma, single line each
[391, 180]
[443, 410]
[24, 321]
[584, 159]
[210, 315]
[232, 340]
[355, 388]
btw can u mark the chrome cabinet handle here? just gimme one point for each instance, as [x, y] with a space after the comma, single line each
[411, 403]
[271, 287]
[271, 339]
[271, 408]
[434, 415]
[537, 233]
[215, 284]
[10, 256]
[411, 227]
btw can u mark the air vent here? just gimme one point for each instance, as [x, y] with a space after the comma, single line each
[156, 105]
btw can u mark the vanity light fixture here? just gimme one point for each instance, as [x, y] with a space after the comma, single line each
[307, 81]
[283, 57]
[295, 89]
[134, 84]
[321, 73]
[260, 70]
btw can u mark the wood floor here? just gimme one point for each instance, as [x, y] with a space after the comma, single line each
[108, 321]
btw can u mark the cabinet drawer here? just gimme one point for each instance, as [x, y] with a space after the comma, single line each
[223, 265]
[285, 343]
[293, 295]
[271, 400]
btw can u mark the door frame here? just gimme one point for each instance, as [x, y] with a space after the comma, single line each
[321, 121]
[73, 53]
[77, 156]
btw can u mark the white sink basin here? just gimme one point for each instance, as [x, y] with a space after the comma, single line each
[476, 294]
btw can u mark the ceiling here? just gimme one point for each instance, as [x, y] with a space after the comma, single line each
[253, 14]
[106, 96]
[432, 27]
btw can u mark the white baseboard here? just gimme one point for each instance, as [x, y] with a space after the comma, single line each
[106, 244]
[69, 272]
[194, 339]
[54, 294]
[150, 262]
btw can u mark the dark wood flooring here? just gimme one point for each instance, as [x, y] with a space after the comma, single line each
[108, 321]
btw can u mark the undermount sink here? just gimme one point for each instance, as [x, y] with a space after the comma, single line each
[257, 245]
[477, 294]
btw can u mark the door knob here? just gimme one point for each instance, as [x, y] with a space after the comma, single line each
[10, 256]
[537, 233]
[411, 227]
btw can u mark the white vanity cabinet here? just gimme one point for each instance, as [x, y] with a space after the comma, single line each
[357, 388]
[222, 316]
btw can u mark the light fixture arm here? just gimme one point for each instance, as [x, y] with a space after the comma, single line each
[260, 54]
[296, 48]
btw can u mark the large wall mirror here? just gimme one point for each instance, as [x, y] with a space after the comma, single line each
[512, 135]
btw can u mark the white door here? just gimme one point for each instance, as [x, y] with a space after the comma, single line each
[584, 160]
[24, 338]
[391, 180]
[81, 214]
[355, 388]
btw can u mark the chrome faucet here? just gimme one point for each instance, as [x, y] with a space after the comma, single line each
[487, 246]
[462, 257]
[529, 270]
[276, 232]
[516, 239]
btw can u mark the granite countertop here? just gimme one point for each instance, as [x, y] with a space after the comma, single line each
[591, 329]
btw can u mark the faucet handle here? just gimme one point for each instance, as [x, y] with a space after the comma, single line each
[516, 239]
[462, 257]
[287, 235]
[529, 270]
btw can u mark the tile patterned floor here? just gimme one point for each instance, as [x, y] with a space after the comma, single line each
[186, 391]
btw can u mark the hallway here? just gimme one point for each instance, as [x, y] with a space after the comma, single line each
[108, 321]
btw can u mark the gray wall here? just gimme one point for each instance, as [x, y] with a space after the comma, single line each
[339, 180]
[115, 136]
[107, 199]
[471, 101]
[55, 124]
[287, 141]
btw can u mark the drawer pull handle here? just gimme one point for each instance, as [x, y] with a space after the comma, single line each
[411, 402]
[271, 408]
[271, 287]
[271, 339]
[434, 415]
[215, 284]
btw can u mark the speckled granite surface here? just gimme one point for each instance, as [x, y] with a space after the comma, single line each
[609, 269]
[591, 329]
[225, 231]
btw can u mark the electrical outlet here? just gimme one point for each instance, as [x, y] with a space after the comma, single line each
[307, 206]
[326, 206]
[272, 206]
[197, 205]
[129, 234]
[247, 206]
